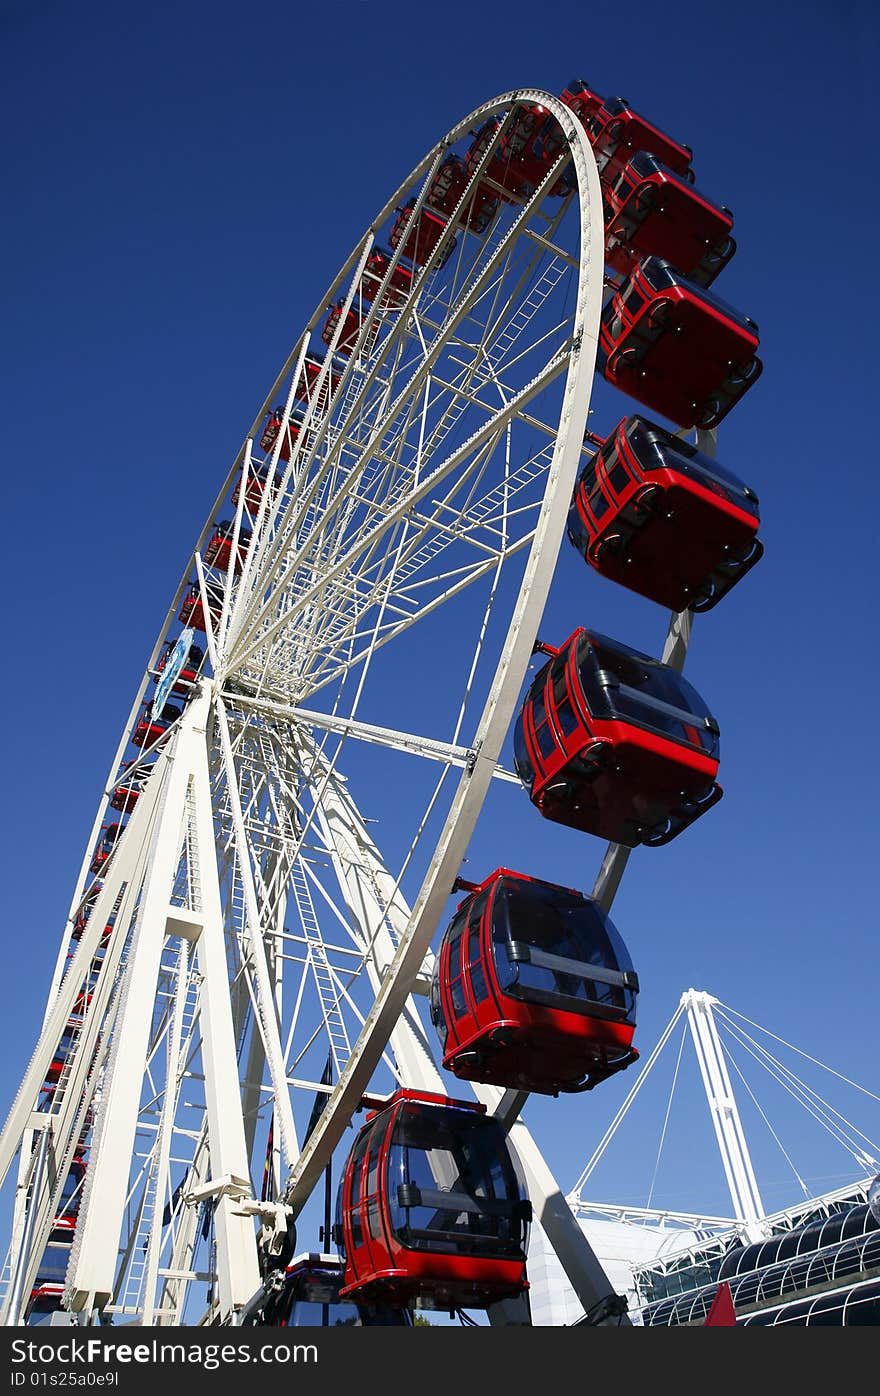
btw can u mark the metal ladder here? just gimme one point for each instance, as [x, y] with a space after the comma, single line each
[337, 1032]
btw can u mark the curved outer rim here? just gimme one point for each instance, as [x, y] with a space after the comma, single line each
[510, 673]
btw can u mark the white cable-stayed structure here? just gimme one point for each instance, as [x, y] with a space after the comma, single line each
[650, 1250]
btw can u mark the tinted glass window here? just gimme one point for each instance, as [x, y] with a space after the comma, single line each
[456, 988]
[452, 1183]
[568, 720]
[648, 693]
[588, 476]
[478, 979]
[598, 504]
[619, 478]
[563, 926]
[656, 449]
[633, 302]
[521, 759]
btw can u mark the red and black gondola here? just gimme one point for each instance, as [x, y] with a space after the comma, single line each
[446, 189]
[307, 1296]
[431, 1210]
[268, 438]
[351, 328]
[307, 384]
[616, 132]
[374, 273]
[218, 549]
[583, 99]
[509, 177]
[128, 790]
[151, 726]
[85, 909]
[616, 744]
[62, 1051]
[534, 141]
[660, 517]
[104, 847]
[650, 211]
[421, 237]
[256, 486]
[676, 347]
[79, 926]
[192, 612]
[533, 988]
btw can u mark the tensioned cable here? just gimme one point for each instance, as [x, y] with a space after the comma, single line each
[782, 1149]
[666, 1120]
[800, 1053]
[795, 1088]
[802, 1085]
[785, 1078]
[633, 1092]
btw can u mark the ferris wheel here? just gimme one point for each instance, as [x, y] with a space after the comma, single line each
[252, 939]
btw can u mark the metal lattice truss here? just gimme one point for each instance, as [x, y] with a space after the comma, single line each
[263, 950]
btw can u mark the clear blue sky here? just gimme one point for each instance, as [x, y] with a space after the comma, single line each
[182, 182]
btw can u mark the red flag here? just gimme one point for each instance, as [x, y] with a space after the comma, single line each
[267, 1167]
[722, 1312]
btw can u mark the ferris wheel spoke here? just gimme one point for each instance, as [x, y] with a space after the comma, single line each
[467, 302]
[418, 492]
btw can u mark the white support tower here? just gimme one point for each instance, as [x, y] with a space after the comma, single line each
[736, 1161]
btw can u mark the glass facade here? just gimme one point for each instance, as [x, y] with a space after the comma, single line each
[815, 1273]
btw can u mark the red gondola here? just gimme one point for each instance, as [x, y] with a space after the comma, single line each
[420, 240]
[257, 477]
[350, 330]
[267, 444]
[45, 1300]
[104, 847]
[583, 101]
[676, 347]
[616, 132]
[533, 988]
[190, 671]
[533, 142]
[616, 744]
[150, 728]
[192, 612]
[508, 175]
[218, 549]
[60, 1055]
[399, 285]
[447, 188]
[431, 1210]
[126, 794]
[307, 1296]
[306, 387]
[85, 909]
[649, 211]
[658, 516]
[79, 926]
